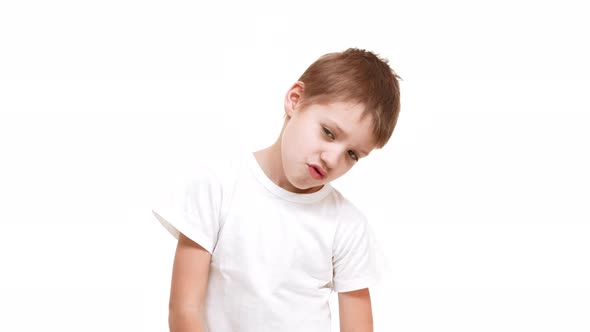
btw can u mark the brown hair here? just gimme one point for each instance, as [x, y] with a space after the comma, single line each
[356, 75]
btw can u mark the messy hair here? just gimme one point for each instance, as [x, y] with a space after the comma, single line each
[356, 75]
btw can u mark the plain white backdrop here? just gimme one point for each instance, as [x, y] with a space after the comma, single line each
[480, 200]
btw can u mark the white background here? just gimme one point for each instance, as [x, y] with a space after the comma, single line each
[480, 200]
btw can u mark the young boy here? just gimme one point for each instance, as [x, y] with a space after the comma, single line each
[263, 238]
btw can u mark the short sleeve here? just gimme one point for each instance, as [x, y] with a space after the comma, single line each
[357, 259]
[192, 206]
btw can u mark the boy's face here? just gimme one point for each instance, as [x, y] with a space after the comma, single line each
[322, 142]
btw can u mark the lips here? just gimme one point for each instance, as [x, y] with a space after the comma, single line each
[316, 171]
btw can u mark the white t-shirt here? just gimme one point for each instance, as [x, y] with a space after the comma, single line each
[276, 255]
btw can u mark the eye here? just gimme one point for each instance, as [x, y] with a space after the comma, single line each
[353, 155]
[328, 132]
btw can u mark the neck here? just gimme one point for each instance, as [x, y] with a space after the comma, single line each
[271, 163]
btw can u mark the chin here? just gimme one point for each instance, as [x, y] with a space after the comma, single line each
[309, 187]
[304, 184]
[301, 186]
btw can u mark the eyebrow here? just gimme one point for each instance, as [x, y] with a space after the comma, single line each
[338, 129]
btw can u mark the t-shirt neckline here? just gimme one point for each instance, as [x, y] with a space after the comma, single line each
[281, 192]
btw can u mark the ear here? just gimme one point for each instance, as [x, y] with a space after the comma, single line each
[293, 97]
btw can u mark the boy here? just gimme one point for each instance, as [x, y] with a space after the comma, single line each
[263, 238]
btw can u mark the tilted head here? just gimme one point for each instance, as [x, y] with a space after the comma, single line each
[343, 106]
[356, 76]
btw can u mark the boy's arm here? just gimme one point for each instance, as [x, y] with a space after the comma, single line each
[190, 275]
[355, 311]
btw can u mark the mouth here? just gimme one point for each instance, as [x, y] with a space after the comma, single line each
[316, 172]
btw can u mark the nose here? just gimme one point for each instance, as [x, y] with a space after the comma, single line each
[332, 157]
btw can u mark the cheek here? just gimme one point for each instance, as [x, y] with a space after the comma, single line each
[343, 170]
[304, 138]
[290, 146]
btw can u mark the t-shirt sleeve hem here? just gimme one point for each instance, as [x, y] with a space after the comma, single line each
[355, 284]
[175, 226]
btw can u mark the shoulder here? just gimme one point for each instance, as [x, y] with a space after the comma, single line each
[347, 211]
